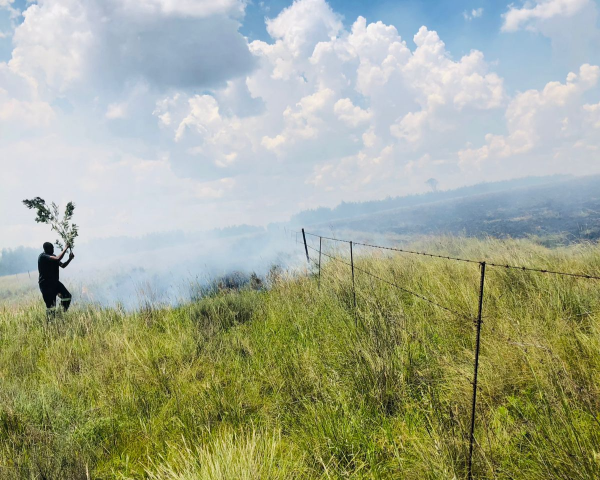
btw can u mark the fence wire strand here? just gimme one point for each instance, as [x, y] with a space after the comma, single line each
[478, 319]
[328, 238]
[454, 312]
[425, 254]
[467, 260]
[415, 294]
[543, 270]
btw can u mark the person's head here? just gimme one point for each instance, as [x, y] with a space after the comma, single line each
[48, 248]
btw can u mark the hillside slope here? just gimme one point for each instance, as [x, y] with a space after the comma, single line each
[568, 208]
[294, 383]
[350, 209]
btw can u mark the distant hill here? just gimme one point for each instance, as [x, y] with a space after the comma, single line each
[562, 206]
[18, 260]
[568, 208]
[352, 209]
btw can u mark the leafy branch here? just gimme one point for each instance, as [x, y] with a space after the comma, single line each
[67, 232]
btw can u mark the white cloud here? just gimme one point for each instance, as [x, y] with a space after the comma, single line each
[203, 116]
[20, 104]
[475, 13]
[339, 99]
[30, 113]
[531, 15]
[77, 43]
[185, 8]
[8, 5]
[52, 43]
[571, 25]
[221, 139]
[592, 114]
[298, 26]
[554, 122]
[306, 120]
[116, 110]
[350, 114]
[147, 108]
[13, 16]
[442, 87]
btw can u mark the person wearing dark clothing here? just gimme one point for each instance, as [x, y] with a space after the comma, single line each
[50, 285]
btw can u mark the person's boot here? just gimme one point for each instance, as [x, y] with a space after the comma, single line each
[65, 302]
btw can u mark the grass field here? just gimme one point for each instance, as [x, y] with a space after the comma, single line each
[292, 382]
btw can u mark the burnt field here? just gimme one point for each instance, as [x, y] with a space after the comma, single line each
[566, 211]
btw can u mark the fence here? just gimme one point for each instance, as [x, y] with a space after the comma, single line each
[477, 319]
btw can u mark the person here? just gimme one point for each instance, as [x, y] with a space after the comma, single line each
[50, 285]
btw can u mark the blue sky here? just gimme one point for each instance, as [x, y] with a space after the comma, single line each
[150, 113]
[512, 51]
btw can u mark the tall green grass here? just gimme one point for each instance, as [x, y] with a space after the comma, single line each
[294, 382]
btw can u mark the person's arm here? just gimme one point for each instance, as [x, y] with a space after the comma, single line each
[62, 254]
[71, 257]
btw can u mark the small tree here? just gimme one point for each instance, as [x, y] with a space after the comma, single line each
[433, 184]
[67, 232]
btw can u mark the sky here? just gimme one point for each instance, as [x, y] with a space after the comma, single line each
[159, 115]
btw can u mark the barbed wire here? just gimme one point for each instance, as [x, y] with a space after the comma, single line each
[445, 257]
[454, 312]
[314, 261]
[542, 270]
[328, 238]
[468, 260]
[406, 290]
[478, 319]
[337, 259]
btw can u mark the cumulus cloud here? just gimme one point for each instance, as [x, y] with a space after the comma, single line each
[592, 114]
[554, 122]
[147, 108]
[214, 136]
[306, 120]
[8, 5]
[75, 43]
[571, 25]
[21, 107]
[357, 103]
[531, 16]
[87, 74]
[297, 27]
[30, 113]
[351, 114]
[184, 8]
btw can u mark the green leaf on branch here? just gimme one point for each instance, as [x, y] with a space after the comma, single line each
[51, 216]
